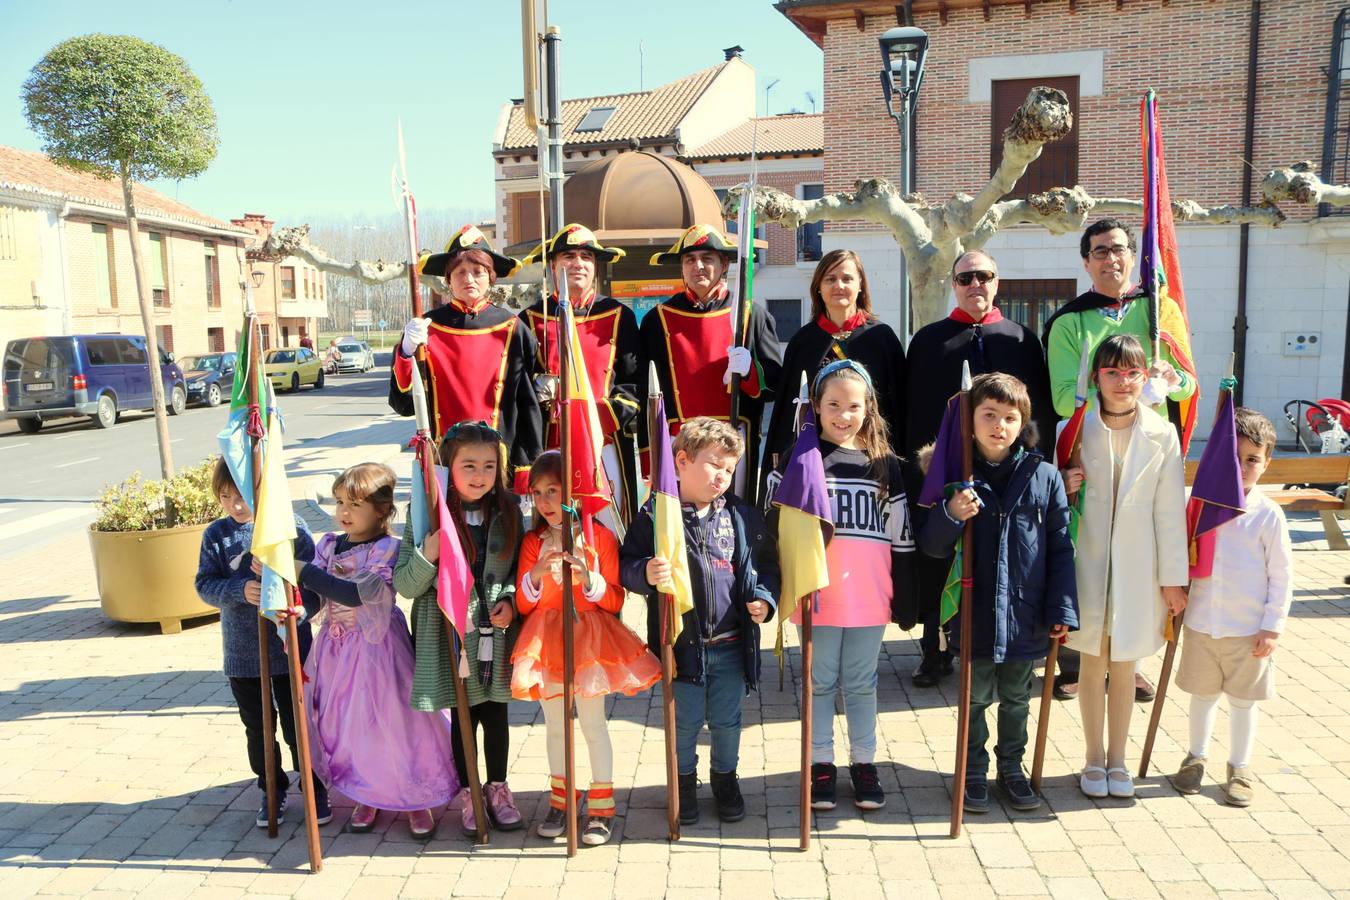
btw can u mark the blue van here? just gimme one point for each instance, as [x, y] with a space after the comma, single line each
[94, 375]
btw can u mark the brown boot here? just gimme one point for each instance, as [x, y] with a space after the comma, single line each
[1190, 776]
[1238, 791]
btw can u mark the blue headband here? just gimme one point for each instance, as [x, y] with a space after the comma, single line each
[839, 366]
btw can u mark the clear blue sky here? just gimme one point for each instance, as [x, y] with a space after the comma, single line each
[307, 94]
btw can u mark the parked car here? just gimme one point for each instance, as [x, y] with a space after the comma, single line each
[94, 375]
[292, 367]
[209, 377]
[356, 357]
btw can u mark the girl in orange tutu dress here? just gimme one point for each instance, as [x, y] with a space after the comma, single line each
[609, 658]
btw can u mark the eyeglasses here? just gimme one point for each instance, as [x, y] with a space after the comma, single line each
[965, 278]
[1128, 376]
[1102, 253]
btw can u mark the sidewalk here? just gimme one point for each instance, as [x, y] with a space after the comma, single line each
[124, 775]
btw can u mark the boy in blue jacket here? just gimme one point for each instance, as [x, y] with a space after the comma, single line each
[226, 581]
[733, 567]
[1024, 590]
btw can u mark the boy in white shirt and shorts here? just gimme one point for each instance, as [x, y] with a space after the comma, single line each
[1234, 620]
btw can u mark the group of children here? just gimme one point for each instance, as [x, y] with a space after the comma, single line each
[380, 701]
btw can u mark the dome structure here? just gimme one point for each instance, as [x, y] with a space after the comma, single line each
[639, 199]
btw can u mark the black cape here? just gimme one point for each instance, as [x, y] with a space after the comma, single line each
[875, 346]
[933, 373]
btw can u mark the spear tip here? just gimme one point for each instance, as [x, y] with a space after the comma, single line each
[653, 383]
[965, 375]
[1232, 365]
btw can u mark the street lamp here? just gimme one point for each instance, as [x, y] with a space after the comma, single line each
[256, 276]
[902, 54]
[768, 87]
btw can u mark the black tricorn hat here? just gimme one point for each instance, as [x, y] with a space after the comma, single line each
[574, 237]
[466, 239]
[696, 237]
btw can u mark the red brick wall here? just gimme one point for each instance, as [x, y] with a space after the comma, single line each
[782, 241]
[1192, 52]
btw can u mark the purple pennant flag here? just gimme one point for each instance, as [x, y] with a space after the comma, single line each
[803, 484]
[1217, 496]
[945, 467]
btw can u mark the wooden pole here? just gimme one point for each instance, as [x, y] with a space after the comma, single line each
[804, 824]
[967, 573]
[264, 656]
[569, 584]
[1168, 657]
[302, 734]
[667, 614]
[1043, 718]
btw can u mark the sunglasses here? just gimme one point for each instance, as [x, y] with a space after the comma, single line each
[1129, 376]
[965, 278]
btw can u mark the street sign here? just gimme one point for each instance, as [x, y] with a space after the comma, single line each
[382, 324]
[361, 318]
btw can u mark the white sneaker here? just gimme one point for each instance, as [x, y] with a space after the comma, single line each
[1119, 783]
[1093, 782]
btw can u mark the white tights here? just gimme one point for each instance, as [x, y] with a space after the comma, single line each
[1241, 727]
[594, 728]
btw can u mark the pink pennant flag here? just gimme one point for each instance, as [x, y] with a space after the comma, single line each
[454, 578]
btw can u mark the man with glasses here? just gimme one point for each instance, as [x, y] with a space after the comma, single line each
[1115, 305]
[974, 332]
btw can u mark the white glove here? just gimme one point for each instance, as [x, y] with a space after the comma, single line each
[414, 335]
[1155, 391]
[738, 362]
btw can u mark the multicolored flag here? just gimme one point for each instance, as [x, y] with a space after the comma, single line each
[943, 478]
[274, 523]
[590, 489]
[245, 420]
[668, 520]
[1071, 436]
[1160, 266]
[1217, 496]
[805, 523]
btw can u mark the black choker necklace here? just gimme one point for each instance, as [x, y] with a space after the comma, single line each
[1120, 415]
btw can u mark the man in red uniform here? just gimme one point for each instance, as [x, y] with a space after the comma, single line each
[608, 333]
[480, 357]
[690, 338]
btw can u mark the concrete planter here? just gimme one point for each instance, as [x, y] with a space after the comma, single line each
[147, 576]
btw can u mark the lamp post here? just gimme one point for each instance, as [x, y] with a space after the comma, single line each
[768, 87]
[902, 54]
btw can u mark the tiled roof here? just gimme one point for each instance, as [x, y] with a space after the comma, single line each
[792, 133]
[25, 170]
[643, 115]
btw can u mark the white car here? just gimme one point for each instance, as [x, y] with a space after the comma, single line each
[356, 357]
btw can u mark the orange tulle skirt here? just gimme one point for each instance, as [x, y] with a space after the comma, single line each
[609, 658]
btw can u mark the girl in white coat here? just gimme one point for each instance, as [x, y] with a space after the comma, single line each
[1132, 565]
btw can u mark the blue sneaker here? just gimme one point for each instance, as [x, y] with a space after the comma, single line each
[323, 813]
[261, 820]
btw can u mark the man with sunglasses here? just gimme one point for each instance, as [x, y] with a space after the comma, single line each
[974, 332]
[1115, 305]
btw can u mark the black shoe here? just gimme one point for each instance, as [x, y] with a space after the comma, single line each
[1144, 691]
[261, 820]
[930, 670]
[946, 664]
[867, 792]
[1066, 686]
[726, 790]
[1018, 791]
[688, 799]
[977, 796]
[823, 776]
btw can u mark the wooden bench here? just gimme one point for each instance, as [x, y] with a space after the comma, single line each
[1296, 474]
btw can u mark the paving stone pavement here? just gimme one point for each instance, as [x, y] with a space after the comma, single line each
[124, 774]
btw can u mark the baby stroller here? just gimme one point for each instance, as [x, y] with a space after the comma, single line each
[1321, 426]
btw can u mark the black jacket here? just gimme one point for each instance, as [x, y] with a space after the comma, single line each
[756, 570]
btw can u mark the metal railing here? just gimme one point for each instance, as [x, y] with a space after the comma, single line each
[1336, 130]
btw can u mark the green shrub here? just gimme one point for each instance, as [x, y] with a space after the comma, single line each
[139, 505]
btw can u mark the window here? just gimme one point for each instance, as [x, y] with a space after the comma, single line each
[266, 330]
[1336, 127]
[9, 237]
[1032, 301]
[215, 340]
[285, 331]
[288, 282]
[595, 119]
[1058, 162]
[133, 352]
[105, 272]
[157, 266]
[212, 274]
[524, 221]
[787, 317]
[102, 352]
[164, 338]
[809, 236]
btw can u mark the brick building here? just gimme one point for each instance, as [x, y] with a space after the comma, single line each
[293, 296]
[705, 120]
[984, 55]
[65, 260]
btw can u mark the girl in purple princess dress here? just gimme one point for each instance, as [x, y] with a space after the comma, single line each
[366, 742]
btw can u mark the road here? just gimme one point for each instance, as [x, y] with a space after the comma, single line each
[48, 479]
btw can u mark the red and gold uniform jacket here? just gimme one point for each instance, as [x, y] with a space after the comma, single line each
[482, 367]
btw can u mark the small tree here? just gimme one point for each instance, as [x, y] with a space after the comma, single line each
[119, 107]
